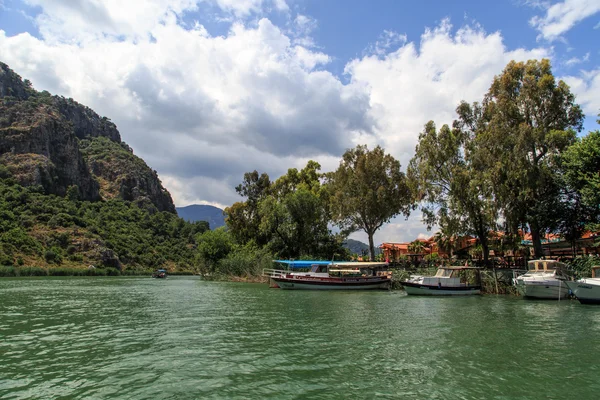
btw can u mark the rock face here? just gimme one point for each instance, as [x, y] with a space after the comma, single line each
[122, 174]
[85, 121]
[56, 143]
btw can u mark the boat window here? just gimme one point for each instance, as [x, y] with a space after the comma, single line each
[443, 273]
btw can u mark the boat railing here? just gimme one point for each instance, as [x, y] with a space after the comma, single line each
[270, 272]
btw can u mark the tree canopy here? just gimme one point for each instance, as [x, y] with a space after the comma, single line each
[367, 190]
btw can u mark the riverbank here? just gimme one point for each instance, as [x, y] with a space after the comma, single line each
[14, 272]
[493, 281]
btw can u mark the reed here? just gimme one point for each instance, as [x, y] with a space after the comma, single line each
[7, 271]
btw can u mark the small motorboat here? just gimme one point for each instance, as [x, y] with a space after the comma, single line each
[448, 281]
[587, 290]
[160, 273]
[545, 279]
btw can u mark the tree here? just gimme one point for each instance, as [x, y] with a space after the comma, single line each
[450, 178]
[529, 120]
[213, 246]
[296, 215]
[416, 247]
[580, 164]
[242, 217]
[367, 190]
[444, 241]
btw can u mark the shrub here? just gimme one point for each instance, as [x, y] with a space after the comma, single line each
[53, 256]
[31, 271]
[7, 271]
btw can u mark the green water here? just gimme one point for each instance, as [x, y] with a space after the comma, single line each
[182, 338]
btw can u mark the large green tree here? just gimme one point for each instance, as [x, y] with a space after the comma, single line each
[450, 179]
[296, 215]
[242, 218]
[367, 190]
[529, 120]
[581, 173]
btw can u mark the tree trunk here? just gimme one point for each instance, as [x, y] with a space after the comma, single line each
[371, 246]
[486, 250]
[536, 239]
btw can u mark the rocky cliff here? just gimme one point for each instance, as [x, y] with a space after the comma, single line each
[56, 142]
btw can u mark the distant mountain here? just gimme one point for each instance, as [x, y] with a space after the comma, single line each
[196, 212]
[357, 247]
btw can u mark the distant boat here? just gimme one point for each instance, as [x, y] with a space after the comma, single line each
[545, 279]
[327, 275]
[160, 273]
[587, 290]
[448, 281]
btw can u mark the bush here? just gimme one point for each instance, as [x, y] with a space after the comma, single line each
[53, 256]
[245, 261]
[581, 267]
[8, 271]
[31, 271]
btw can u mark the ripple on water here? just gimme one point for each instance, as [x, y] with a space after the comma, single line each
[181, 338]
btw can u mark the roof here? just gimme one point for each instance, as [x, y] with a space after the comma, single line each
[339, 264]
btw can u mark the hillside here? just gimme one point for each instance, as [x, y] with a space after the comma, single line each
[196, 212]
[72, 194]
[55, 143]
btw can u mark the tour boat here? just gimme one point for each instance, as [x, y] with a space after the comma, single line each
[545, 279]
[448, 281]
[327, 275]
[587, 290]
[160, 273]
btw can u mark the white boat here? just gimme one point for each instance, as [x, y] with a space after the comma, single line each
[545, 279]
[448, 281]
[587, 290]
[324, 275]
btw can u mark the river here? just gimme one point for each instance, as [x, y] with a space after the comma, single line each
[183, 338]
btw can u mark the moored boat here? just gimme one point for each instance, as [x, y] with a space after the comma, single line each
[160, 273]
[587, 290]
[448, 281]
[326, 275]
[545, 279]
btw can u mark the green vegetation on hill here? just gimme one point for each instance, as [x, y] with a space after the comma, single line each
[47, 230]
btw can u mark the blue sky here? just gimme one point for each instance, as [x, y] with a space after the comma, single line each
[205, 90]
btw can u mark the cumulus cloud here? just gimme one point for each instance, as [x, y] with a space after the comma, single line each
[586, 87]
[563, 16]
[426, 81]
[203, 109]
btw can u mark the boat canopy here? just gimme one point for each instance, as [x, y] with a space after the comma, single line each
[297, 264]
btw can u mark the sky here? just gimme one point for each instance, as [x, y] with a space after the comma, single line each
[205, 90]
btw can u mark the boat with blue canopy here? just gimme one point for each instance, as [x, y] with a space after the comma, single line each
[329, 275]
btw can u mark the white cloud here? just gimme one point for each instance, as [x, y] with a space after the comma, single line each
[563, 16]
[387, 40]
[242, 8]
[418, 83]
[576, 60]
[586, 87]
[202, 110]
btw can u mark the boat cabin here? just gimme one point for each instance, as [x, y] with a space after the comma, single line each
[547, 266]
[453, 276]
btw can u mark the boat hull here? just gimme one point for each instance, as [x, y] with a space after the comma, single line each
[585, 292]
[547, 291]
[323, 284]
[435, 290]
